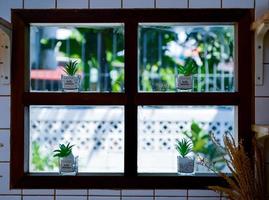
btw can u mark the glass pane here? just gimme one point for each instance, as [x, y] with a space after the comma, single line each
[207, 52]
[97, 133]
[97, 48]
[159, 128]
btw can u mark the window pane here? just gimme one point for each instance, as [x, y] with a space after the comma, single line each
[205, 51]
[97, 133]
[160, 126]
[97, 48]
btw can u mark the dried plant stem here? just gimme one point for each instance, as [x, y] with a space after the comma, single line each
[247, 180]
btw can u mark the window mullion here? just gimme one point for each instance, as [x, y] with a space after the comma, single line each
[130, 149]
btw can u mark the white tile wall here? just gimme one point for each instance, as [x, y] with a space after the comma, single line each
[204, 4]
[170, 198]
[261, 6]
[138, 3]
[198, 193]
[171, 3]
[39, 4]
[38, 192]
[203, 198]
[5, 7]
[137, 192]
[170, 192]
[4, 108]
[71, 197]
[4, 150]
[38, 197]
[262, 104]
[72, 4]
[238, 3]
[10, 197]
[71, 192]
[105, 3]
[104, 198]
[262, 110]
[262, 90]
[4, 89]
[104, 192]
[4, 180]
[137, 198]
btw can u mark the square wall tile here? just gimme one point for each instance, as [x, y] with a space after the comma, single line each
[105, 3]
[71, 197]
[166, 193]
[71, 192]
[170, 198]
[137, 192]
[261, 7]
[39, 4]
[261, 110]
[4, 180]
[4, 89]
[238, 3]
[263, 90]
[72, 4]
[10, 197]
[104, 198]
[5, 112]
[38, 192]
[95, 192]
[5, 7]
[138, 3]
[171, 3]
[204, 4]
[203, 198]
[201, 193]
[137, 198]
[38, 197]
[5, 145]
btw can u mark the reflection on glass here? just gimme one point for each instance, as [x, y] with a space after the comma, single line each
[160, 126]
[97, 133]
[98, 49]
[163, 48]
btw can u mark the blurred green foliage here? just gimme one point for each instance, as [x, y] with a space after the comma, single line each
[40, 161]
[204, 145]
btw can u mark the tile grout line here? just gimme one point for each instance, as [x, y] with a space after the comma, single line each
[221, 4]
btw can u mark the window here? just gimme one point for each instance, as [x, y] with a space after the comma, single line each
[129, 111]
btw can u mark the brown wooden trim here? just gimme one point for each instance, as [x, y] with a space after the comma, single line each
[130, 139]
[141, 15]
[164, 181]
[245, 78]
[187, 98]
[74, 99]
[17, 107]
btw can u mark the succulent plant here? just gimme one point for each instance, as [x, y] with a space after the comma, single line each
[184, 147]
[189, 68]
[71, 68]
[63, 151]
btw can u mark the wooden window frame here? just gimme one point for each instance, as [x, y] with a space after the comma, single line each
[22, 98]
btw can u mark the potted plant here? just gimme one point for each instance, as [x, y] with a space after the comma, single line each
[70, 81]
[67, 161]
[184, 79]
[185, 162]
